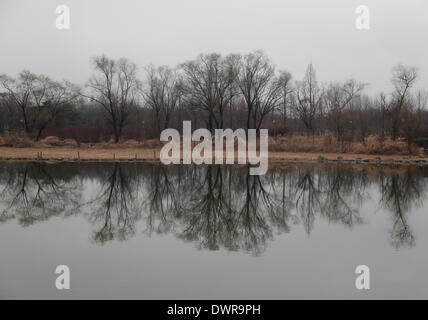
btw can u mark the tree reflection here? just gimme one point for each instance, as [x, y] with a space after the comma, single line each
[399, 193]
[114, 207]
[34, 192]
[215, 207]
[162, 202]
[308, 197]
[344, 192]
[207, 215]
[256, 207]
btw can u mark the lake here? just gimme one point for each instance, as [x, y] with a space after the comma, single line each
[147, 231]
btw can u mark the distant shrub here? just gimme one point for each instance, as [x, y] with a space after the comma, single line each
[330, 144]
[16, 141]
[56, 142]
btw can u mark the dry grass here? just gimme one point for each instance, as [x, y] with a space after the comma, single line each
[66, 153]
[49, 142]
[329, 144]
[16, 142]
[134, 144]
[290, 147]
[14, 147]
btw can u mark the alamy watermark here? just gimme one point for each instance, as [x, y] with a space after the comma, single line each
[363, 280]
[202, 152]
[62, 282]
[62, 21]
[363, 17]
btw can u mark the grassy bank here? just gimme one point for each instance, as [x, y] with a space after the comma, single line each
[293, 148]
[372, 145]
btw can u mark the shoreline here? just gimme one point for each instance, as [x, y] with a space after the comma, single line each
[65, 154]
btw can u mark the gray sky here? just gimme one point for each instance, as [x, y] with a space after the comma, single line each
[292, 32]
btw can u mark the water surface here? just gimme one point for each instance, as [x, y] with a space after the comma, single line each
[212, 232]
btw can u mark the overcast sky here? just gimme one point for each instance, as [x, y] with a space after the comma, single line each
[292, 32]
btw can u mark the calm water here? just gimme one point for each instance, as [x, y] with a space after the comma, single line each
[182, 232]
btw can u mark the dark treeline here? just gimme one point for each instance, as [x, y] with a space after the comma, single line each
[213, 91]
[212, 206]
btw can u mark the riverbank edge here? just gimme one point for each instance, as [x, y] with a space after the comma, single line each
[61, 155]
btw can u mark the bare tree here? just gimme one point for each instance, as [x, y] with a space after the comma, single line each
[39, 100]
[412, 117]
[52, 100]
[7, 112]
[162, 94]
[115, 87]
[286, 93]
[254, 81]
[213, 91]
[268, 100]
[383, 105]
[337, 98]
[404, 77]
[420, 100]
[207, 84]
[309, 99]
[21, 93]
[360, 115]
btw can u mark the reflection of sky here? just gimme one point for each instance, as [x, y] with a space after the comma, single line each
[295, 264]
[292, 32]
